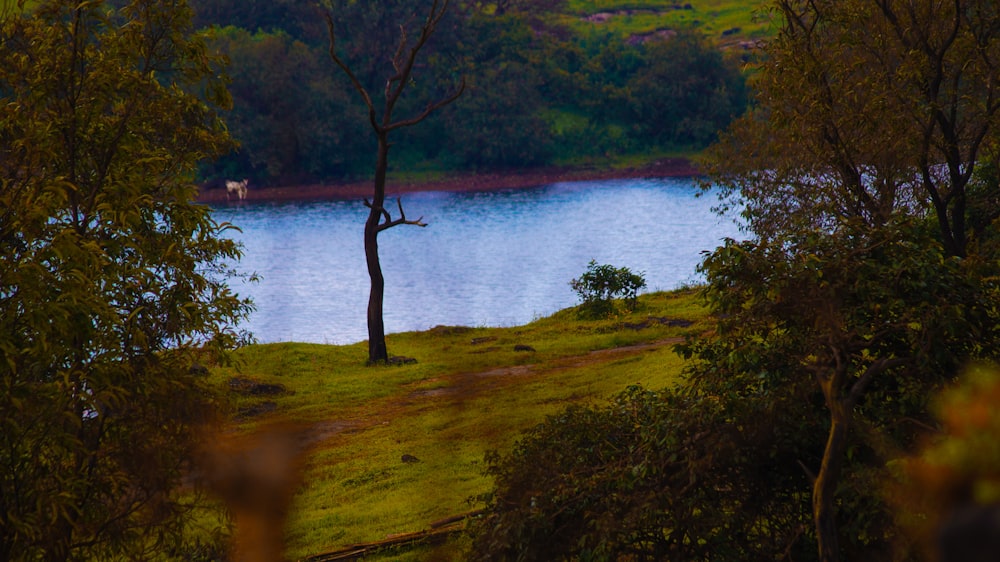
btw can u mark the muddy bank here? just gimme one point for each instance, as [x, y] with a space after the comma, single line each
[463, 183]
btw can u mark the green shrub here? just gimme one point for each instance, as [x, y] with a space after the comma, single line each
[601, 285]
[652, 475]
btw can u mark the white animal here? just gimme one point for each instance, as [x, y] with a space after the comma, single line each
[237, 187]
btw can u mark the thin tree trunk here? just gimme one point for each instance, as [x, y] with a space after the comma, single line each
[825, 487]
[841, 407]
[377, 351]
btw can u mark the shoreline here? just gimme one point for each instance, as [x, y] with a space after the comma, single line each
[458, 183]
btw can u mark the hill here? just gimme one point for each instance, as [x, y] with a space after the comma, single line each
[731, 24]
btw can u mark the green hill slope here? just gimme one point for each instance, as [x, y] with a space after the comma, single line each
[729, 23]
[392, 449]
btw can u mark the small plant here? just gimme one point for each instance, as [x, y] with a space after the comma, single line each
[601, 285]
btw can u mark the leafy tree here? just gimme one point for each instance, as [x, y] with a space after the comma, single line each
[685, 92]
[497, 123]
[868, 109]
[872, 125]
[111, 278]
[865, 324]
[601, 285]
[379, 218]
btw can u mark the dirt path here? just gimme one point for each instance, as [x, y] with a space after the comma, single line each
[460, 387]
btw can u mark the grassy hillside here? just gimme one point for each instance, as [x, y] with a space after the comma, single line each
[728, 22]
[469, 391]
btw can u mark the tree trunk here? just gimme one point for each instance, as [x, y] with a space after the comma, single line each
[825, 486]
[377, 351]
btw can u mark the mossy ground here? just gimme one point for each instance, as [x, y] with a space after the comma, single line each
[470, 391]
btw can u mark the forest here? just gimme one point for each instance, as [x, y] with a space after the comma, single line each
[539, 90]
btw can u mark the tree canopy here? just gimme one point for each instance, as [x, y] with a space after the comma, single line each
[112, 280]
[872, 262]
[537, 93]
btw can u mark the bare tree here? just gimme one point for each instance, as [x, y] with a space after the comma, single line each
[380, 218]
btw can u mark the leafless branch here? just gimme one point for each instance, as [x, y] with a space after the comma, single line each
[396, 58]
[431, 108]
[380, 210]
[347, 70]
[402, 76]
[401, 220]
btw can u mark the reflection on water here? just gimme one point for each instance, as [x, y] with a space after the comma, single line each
[487, 259]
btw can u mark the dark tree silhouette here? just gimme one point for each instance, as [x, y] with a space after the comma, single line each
[379, 218]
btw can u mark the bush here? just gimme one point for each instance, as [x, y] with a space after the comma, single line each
[652, 475]
[602, 284]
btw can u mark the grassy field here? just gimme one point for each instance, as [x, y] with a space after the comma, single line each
[728, 22]
[469, 391]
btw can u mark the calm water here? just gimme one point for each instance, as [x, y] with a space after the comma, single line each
[487, 259]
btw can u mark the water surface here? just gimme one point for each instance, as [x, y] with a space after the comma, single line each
[486, 259]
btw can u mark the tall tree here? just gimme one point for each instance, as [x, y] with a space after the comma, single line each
[865, 167]
[892, 106]
[112, 279]
[383, 122]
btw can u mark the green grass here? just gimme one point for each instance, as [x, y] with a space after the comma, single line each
[469, 392]
[725, 21]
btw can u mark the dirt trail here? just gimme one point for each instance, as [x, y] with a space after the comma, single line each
[460, 387]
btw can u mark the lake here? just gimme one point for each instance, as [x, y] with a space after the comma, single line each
[486, 259]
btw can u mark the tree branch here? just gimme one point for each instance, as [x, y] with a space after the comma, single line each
[403, 76]
[401, 220]
[347, 70]
[431, 108]
[861, 385]
[380, 210]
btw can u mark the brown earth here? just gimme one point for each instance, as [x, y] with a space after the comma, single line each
[463, 183]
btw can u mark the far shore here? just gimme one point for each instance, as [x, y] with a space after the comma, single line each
[460, 183]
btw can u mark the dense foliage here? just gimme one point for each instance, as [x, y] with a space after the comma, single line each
[537, 93]
[652, 476]
[868, 175]
[112, 280]
[867, 171]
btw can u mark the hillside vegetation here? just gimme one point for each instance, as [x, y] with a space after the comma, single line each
[727, 23]
[549, 82]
